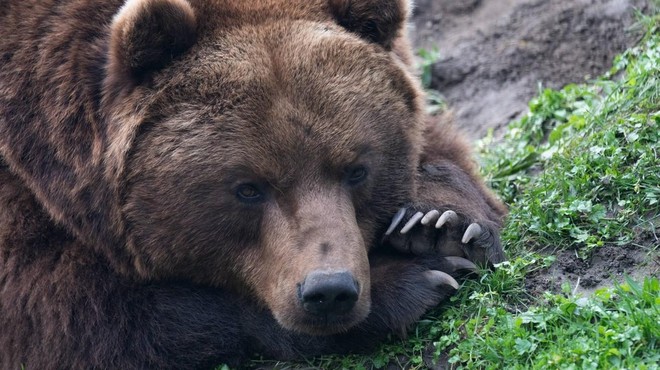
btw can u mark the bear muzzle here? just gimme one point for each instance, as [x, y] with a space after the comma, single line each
[328, 293]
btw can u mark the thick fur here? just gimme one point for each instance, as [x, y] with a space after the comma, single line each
[126, 134]
[63, 306]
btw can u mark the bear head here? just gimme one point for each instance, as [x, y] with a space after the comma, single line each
[260, 146]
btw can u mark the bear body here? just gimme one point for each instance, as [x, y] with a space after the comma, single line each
[185, 183]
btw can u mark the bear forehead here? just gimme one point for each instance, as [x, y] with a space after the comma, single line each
[278, 144]
[287, 90]
[314, 62]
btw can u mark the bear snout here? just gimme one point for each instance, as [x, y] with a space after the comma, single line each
[325, 293]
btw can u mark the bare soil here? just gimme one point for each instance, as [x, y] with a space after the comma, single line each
[496, 53]
[607, 265]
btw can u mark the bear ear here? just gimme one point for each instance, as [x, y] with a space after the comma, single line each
[147, 34]
[378, 21]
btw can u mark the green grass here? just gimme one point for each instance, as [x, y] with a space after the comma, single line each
[594, 149]
[580, 171]
[434, 99]
[613, 328]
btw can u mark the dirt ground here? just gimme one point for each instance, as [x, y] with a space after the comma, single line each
[608, 264]
[495, 53]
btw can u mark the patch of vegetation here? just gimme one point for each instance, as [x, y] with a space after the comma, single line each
[435, 102]
[581, 170]
[614, 328]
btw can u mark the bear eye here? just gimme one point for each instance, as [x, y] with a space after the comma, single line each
[249, 193]
[356, 175]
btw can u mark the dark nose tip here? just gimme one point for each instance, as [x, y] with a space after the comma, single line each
[325, 292]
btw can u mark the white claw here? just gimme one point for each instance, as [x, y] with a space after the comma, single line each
[396, 220]
[471, 232]
[447, 216]
[439, 278]
[459, 263]
[429, 217]
[413, 220]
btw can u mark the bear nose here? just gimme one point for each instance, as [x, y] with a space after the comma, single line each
[325, 292]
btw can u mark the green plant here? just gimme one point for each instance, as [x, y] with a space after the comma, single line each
[427, 57]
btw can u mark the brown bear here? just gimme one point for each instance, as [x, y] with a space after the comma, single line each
[190, 182]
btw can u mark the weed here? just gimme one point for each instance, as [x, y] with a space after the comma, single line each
[435, 102]
[426, 60]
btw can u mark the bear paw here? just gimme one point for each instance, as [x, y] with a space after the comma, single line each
[447, 233]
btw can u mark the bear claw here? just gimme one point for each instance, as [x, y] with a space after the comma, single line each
[430, 217]
[461, 264]
[446, 233]
[447, 216]
[441, 279]
[396, 220]
[472, 231]
[413, 220]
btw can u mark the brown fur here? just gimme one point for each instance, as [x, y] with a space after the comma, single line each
[125, 136]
